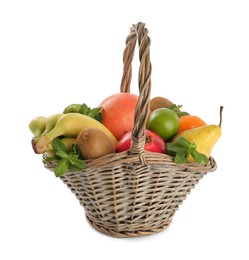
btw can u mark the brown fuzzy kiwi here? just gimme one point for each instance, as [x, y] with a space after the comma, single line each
[94, 143]
[159, 102]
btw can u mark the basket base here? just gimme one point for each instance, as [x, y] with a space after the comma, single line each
[137, 233]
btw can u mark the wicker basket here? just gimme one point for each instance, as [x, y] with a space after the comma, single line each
[134, 193]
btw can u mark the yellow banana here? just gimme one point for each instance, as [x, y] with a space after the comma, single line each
[49, 153]
[69, 141]
[51, 122]
[69, 125]
[37, 125]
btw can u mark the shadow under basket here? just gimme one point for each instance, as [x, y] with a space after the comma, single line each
[136, 192]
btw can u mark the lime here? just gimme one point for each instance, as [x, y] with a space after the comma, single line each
[164, 122]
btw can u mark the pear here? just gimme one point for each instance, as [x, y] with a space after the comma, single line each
[204, 137]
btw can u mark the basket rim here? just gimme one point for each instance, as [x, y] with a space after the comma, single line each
[146, 158]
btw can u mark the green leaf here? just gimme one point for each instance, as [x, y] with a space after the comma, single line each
[170, 152]
[95, 111]
[177, 109]
[80, 164]
[62, 155]
[49, 159]
[180, 158]
[199, 157]
[96, 114]
[98, 117]
[73, 158]
[204, 158]
[61, 167]
[183, 149]
[183, 142]
[84, 109]
[180, 113]
[176, 147]
[73, 108]
[58, 145]
[75, 149]
[66, 160]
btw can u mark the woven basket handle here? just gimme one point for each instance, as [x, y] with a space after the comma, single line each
[140, 33]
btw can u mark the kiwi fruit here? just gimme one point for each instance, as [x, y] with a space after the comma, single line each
[159, 102]
[94, 143]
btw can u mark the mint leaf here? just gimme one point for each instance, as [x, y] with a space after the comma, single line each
[49, 159]
[73, 158]
[84, 109]
[199, 157]
[61, 167]
[66, 160]
[180, 158]
[177, 109]
[62, 155]
[183, 142]
[175, 147]
[75, 149]
[96, 114]
[58, 145]
[79, 164]
[73, 108]
[183, 149]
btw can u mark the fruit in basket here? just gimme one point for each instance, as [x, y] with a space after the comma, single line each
[203, 137]
[159, 102]
[68, 125]
[164, 122]
[153, 142]
[69, 142]
[51, 122]
[118, 113]
[94, 143]
[189, 122]
[37, 125]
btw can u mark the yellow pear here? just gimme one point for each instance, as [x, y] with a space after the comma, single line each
[204, 137]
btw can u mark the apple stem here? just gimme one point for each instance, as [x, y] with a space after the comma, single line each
[221, 109]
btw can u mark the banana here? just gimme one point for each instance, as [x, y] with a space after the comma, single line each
[49, 153]
[37, 125]
[51, 122]
[69, 125]
[69, 141]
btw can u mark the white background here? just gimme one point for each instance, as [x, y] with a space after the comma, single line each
[54, 53]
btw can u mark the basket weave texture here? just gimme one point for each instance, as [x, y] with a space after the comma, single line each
[136, 192]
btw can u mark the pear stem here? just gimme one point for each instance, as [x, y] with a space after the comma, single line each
[221, 109]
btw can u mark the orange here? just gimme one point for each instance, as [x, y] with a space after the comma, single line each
[118, 113]
[189, 122]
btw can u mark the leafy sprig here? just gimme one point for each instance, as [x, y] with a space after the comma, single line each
[177, 109]
[65, 160]
[85, 110]
[181, 149]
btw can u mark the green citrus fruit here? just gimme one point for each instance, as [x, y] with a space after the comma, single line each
[164, 122]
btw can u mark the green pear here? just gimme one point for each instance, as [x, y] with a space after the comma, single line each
[204, 137]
